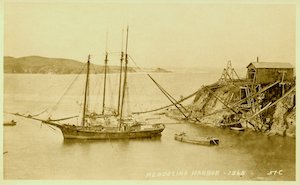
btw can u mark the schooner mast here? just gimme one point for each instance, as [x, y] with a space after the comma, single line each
[120, 78]
[86, 91]
[125, 81]
[105, 71]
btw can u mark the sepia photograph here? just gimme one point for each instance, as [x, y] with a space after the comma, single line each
[152, 91]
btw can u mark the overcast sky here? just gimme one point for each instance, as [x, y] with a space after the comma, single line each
[160, 34]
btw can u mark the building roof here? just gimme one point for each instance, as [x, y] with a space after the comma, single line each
[270, 65]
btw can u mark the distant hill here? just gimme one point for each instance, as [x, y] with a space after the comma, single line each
[44, 65]
[152, 70]
[161, 70]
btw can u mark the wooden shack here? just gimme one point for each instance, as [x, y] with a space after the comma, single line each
[268, 72]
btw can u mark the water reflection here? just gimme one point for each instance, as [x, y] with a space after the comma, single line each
[70, 142]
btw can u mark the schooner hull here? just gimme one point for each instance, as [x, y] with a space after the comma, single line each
[74, 133]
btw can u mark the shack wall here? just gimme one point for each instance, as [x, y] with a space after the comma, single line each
[269, 75]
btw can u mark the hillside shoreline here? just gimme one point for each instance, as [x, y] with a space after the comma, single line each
[45, 65]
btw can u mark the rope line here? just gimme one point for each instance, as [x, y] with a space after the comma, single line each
[41, 112]
[173, 100]
[166, 106]
[168, 96]
[54, 107]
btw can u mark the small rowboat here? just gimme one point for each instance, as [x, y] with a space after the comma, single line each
[237, 128]
[10, 123]
[183, 137]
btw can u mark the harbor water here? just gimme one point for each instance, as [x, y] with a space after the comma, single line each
[36, 151]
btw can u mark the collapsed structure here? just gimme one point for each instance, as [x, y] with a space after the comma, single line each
[263, 101]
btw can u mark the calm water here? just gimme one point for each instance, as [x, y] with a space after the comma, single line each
[36, 151]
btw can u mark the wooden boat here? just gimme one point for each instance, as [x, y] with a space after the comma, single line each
[196, 139]
[102, 133]
[110, 124]
[10, 123]
[237, 128]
